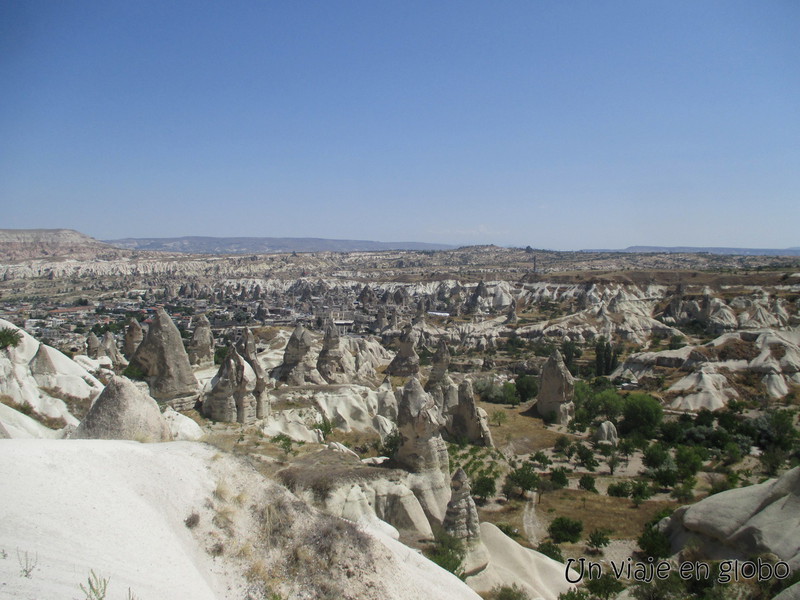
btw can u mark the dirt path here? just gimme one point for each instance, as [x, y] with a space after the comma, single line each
[534, 530]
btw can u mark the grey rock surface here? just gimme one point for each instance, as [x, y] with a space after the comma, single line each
[200, 348]
[231, 397]
[556, 391]
[133, 337]
[162, 359]
[122, 412]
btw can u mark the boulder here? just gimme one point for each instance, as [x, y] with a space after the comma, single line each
[163, 361]
[182, 427]
[556, 390]
[606, 434]
[201, 347]
[122, 412]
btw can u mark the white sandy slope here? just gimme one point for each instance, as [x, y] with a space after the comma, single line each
[510, 563]
[119, 507]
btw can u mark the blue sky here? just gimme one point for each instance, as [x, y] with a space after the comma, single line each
[561, 125]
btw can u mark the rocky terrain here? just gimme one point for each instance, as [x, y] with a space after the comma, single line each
[330, 425]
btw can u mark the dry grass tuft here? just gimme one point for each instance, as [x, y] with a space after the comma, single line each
[223, 491]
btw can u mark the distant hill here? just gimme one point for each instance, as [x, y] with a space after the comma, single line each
[264, 245]
[21, 244]
[708, 250]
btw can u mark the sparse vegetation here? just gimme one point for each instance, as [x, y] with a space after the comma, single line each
[96, 587]
[9, 338]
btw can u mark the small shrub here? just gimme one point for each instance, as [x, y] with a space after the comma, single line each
[448, 552]
[95, 588]
[27, 563]
[134, 372]
[217, 549]
[586, 482]
[391, 444]
[558, 477]
[619, 490]
[552, 550]
[597, 539]
[512, 592]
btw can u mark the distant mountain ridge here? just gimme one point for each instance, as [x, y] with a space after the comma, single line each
[708, 250]
[264, 245]
[22, 244]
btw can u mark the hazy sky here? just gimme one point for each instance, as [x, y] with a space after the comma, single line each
[559, 124]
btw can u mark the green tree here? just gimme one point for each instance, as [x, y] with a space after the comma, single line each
[605, 586]
[541, 459]
[550, 549]
[484, 487]
[655, 455]
[558, 477]
[654, 543]
[641, 415]
[564, 529]
[524, 477]
[510, 395]
[499, 417]
[527, 387]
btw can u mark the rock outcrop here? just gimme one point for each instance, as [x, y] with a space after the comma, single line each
[92, 345]
[422, 450]
[37, 376]
[201, 347]
[461, 520]
[246, 347]
[330, 362]
[295, 369]
[122, 412]
[439, 384]
[406, 361]
[466, 420]
[108, 348]
[743, 522]
[231, 397]
[164, 364]
[556, 390]
[133, 337]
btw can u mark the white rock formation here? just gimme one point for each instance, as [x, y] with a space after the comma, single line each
[742, 522]
[39, 376]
